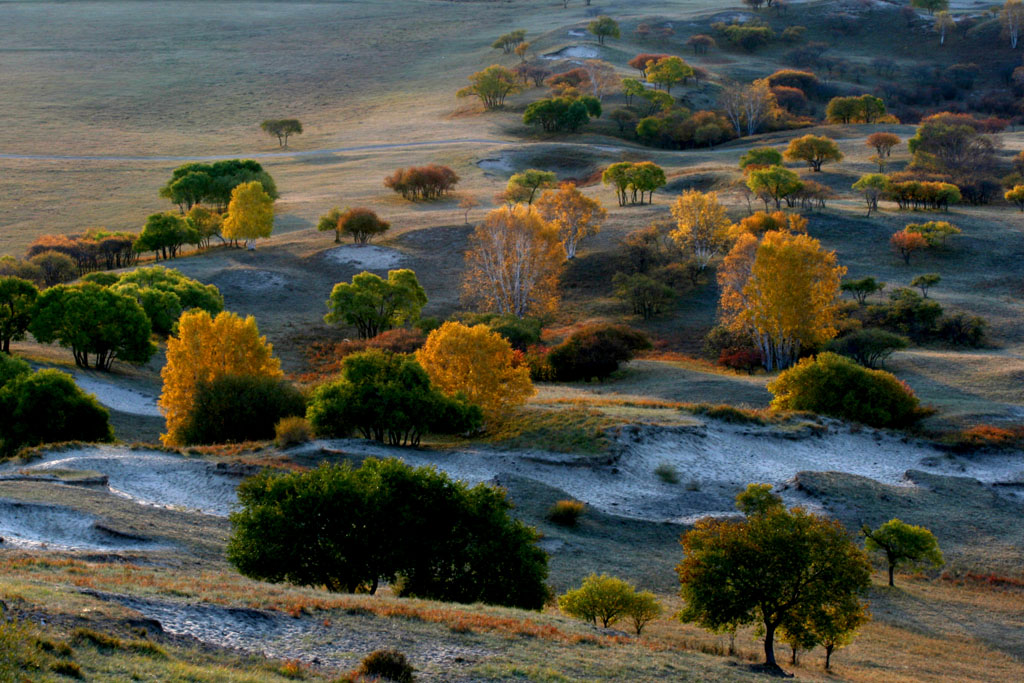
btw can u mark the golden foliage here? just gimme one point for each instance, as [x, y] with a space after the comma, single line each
[573, 214]
[478, 363]
[513, 262]
[204, 349]
[250, 213]
[702, 224]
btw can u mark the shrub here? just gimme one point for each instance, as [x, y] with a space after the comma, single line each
[746, 360]
[68, 669]
[727, 413]
[836, 386]
[962, 329]
[607, 599]
[595, 352]
[667, 472]
[237, 408]
[388, 664]
[869, 346]
[521, 333]
[290, 431]
[906, 312]
[566, 512]
[645, 295]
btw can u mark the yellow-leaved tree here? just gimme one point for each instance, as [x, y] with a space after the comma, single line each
[250, 213]
[703, 225]
[573, 214]
[204, 349]
[784, 293]
[513, 262]
[478, 363]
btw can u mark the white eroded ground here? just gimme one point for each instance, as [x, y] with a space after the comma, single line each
[37, 527]
[368, 256]
[115, 397]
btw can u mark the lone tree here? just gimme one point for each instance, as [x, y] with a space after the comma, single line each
[883, 143]
[362, 224]
[925, 282]
[775, 567]
[904, 545]
[282, 129]
[863, 288]
[509, 41]
[931, 5]
[523, 186]
[372, 304]
[813, 149]
[872, 186]
[604, 27]
[492, 86]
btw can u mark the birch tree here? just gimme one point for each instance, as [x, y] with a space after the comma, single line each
[573, 214]
[703, 225]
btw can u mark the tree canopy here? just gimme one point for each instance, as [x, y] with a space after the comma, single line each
[372, 304]
[250, 213]
[282, 129]
[492, 86]
[199, 183]
[904, 545]
[17, 298]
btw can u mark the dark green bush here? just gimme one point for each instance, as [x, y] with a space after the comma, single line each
[869, 346]
[349, 528]
[645, 295]
[962, 329]
[595, 352]
[236, 408]
[388, 664]
[908, 313]
[386, 396]
[836, 386]
[521, 333]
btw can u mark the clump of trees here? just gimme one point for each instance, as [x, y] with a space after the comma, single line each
[556, 114]
[165, 234]
[491, 86]
[387, 397]
[595, 352]
[94, 249]
[835, 385]
[199, 183]
[45, 406]
[634, 181]
[282, 129]
[607, 600]
[349, 529]
[604, 27]
[422, 182]
[855, 109]
[787, 570]
[373, 305]
[17, 301]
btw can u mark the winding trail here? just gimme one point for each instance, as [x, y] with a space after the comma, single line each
[255, 155]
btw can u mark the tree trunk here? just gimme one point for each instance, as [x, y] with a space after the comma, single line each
[828, 656]
[769, 646]
[891, 567]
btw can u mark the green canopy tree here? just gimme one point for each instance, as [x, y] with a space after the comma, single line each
[904, 545]
[213, 183]
[93, 321]
[761, 156]
[331, 222]
[604, 27]
[492, 86]
[669, 71]
[373, 304]
[774, 183]
[362, 224]
[282, 129]
[17, 297]
[165, 234]
[815, 150]
[523, 186]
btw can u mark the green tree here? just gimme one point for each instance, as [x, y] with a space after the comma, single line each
[648, 297]
[834, 385]
[642, 610]
[331, 222]
[17, 298]
[863, 288]
[93, 321]
[669, 71]
[873, 186]
[761, 156]
[238, 408]
[931, 5]
[55, 267]
[925, 282]
[595, 351]
[250, 213]
[904, 545]
[604, 27]
[773, 568]
[492, 86]
[813, 149]
[165, 234]
[206, 223]
[46, 407]
[196, 183]
[282, 129]
[773, 183]
[869, 346]
[600, 599]
[524, 186]
[373, 304]
[362, 224]
[509, 41]
[191, 293]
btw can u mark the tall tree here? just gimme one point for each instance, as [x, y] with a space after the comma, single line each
[604, 27]
[1012, 19]
[250, 213]
[372, 304]
[573, 214]
[774, 183]
[669, 71]
[748, 107]
[702, 225]
[523, 186]
[774, 567]
[513, 262]
[944, 24]
[815, 150]
[282, 129]
[492, 86]
[17, 297]
[903, 545]
[165, 234]
[205, 349]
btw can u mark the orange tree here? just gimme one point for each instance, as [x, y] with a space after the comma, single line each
[206, 349]
[573, 214]
[477, 363]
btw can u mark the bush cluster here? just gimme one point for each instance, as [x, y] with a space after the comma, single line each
[607, 599]
[238, 408]
[93, 249]
[923, 320]
[422, 182]
[595, 352]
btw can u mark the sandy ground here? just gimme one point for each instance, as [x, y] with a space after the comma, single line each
[367, 256]
[118, 398]
[40, 527]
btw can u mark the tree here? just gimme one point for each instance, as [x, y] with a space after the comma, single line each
[643, 609]
[513, 262]
[863, 288]
[944, 24]
[645, 177]
[835, 625]
[422, 182]
[331, 222]
[25, 270]
[196, 183]
[282, 129]
[239, 408]
[747, 107]
[905, 243]
[883, 143]
[926, 281]
[646, 295]
[523, 186]
[604, 27]
[702, 225]
[164, 293]
[386, 396]
[574, 215]
[813, 149]
[165, 233]
[1016, 195]
[478, 364]
[604, 599]
[362, 224]
[17, 298]
[643, 60]
[206, 224]
[868, 346]
[93, 321]
[468, 203]
[492, 86]
[46, 407]
[1012, 19]
[701, 43]
[204, 349]
[783, 292]
[595, 352]
[55, 267]
[952, 144]
[773, 183]
[372, 304]
[509, 41]
[250, 213]
[834, 385]
[931, 5]
[864, 109]
[774, 567]
[760, 157]
[904, 545]
[669, 71]
[873, 186]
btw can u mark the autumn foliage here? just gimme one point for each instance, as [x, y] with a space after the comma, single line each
[422, 182]
[205, 349]
[573, 214]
